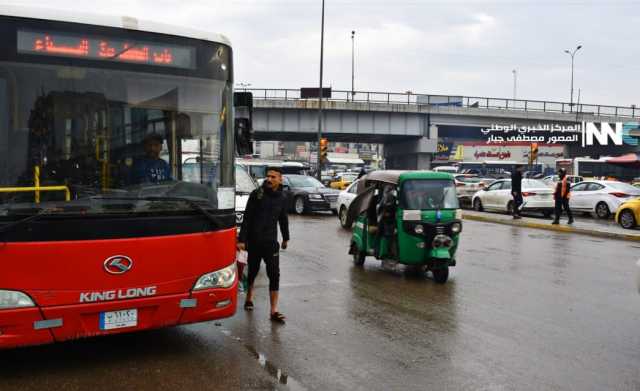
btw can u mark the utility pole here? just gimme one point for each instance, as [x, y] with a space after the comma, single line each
[353, 62]
[319, 173]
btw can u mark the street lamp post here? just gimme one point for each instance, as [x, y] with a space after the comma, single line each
[515, 78]
[572, 54]
[319, 174]
[353, 92]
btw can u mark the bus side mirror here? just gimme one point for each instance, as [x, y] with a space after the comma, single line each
[243, 127]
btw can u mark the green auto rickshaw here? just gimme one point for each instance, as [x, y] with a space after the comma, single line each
[407, 217]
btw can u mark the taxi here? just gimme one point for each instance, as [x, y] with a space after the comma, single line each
[628, 214]
[343, 180]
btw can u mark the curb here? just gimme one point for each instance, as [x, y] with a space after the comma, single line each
[555, 228]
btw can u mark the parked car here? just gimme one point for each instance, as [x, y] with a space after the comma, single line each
[551, 180]
[245, 184]
[468, 185]
[601, 197]
[344, 200]
[343, 180]
[306, 194]
[537, 197]
[628, 214]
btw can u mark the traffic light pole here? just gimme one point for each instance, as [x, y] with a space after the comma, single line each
[319, 171]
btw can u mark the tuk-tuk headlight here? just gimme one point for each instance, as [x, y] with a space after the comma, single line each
[456, 228]
[419, 229]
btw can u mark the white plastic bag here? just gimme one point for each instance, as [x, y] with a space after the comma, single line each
[241, 257]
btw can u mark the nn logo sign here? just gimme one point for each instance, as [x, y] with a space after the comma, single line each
[618, 133]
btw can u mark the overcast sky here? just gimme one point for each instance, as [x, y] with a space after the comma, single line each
[438, 47]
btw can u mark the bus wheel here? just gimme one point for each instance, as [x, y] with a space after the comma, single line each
[358, 256]
[441, 276]
[602, 210]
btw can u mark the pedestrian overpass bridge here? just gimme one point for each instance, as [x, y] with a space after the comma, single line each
[406, 123]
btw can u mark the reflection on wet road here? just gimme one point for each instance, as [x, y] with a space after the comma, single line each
[523, 310]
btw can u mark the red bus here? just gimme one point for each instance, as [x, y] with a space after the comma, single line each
[100, 231]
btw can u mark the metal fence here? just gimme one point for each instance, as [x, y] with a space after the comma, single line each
[411, 98]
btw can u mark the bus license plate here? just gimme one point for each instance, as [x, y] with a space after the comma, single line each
[118, 319]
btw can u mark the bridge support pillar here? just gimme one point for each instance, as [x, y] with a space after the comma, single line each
[415, 154]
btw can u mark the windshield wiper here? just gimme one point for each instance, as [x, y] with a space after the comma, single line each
[215, 220]
[41, 213]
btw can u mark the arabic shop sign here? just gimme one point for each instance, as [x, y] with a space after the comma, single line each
[443, 151]
[547, 153]
[544, 134]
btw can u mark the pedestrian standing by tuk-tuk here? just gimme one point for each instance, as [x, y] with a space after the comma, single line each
[516, 191]
[561, 196]
[267, 206]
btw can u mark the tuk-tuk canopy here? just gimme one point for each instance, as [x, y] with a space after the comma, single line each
[393, 177]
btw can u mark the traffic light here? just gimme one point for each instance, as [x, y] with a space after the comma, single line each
[533, 154]
[324, 146]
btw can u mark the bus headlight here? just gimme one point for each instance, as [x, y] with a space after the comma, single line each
[456, 228]
[223, 278]
[14, 299]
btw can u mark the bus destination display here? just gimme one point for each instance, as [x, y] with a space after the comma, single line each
[91, 48]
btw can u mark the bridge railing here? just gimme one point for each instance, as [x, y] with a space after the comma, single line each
[411, 98]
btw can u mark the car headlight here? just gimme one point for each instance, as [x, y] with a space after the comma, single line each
[14, 299]
[419, 229]
[315, 196]
[223, 278]
[456, 228]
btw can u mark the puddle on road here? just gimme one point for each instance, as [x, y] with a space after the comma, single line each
[281, 376]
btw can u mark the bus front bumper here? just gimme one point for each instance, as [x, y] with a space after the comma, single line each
[43, 325]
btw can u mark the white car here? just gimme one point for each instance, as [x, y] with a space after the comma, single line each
[537, 196]
[344, 200]
[551, 180]
[245, 184]
[601, 197]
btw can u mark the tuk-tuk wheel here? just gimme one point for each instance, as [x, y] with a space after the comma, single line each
[441, 276]
[358, 257]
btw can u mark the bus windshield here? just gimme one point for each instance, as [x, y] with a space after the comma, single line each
[70, 135]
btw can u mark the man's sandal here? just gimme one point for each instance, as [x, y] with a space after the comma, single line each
[278, 317]
[248, 305]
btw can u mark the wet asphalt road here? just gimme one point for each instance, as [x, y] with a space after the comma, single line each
[523, 310]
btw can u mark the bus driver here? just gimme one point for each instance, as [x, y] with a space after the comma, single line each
[150, 168]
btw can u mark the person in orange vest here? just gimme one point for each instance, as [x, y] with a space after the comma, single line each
[561, 196]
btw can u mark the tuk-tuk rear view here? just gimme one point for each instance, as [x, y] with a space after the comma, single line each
[407, 217]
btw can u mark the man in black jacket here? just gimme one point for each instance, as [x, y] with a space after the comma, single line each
[266, 207]
[516, 191]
